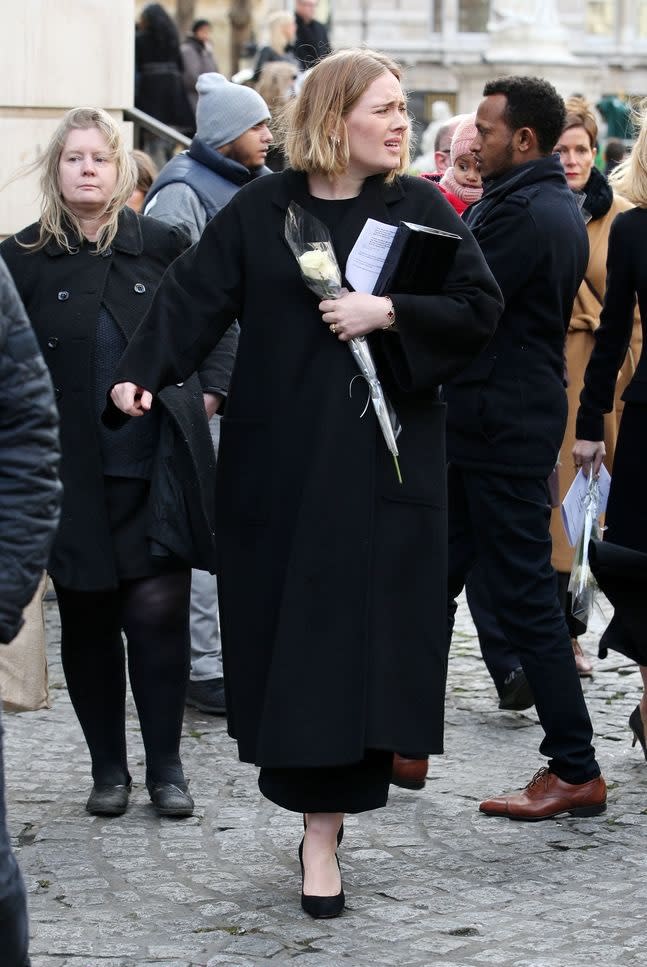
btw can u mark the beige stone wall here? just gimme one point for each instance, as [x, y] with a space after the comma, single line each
[56, 54]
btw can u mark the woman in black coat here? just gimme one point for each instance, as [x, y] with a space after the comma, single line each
[331, 573]
[138, 508]
[159, 79]
[621, 575]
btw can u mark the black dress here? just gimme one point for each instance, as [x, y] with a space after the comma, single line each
[351, 788]
[626, 516]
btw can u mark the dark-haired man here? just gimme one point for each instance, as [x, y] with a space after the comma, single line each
[197, 59]
[506, 421]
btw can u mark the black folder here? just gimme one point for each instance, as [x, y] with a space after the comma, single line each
[418, 260]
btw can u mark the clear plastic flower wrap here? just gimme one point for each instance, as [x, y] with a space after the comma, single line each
[312, 247]
[582, 584]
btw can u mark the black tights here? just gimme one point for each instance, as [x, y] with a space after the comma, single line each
[154, 615]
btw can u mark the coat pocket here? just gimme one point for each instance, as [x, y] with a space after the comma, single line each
[244, 469]
[466, 394]
[422, 457]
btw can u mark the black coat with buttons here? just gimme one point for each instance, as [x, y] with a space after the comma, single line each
[62, 293]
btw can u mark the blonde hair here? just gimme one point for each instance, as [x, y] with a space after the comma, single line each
[276, 23]
[580, 115]
[276, 83]
[56, 216]
[314, 135]
[146, 169]
[629, 178]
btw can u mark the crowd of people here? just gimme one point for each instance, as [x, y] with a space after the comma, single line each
[206, 428]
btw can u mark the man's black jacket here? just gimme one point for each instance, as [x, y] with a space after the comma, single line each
[507, 410]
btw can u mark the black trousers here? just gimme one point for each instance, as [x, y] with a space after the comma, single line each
[351, 788]
[500, 655]
[503, 523]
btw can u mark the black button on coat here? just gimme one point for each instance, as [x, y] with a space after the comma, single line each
[182, 488]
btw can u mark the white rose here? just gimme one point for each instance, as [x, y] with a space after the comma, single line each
[318, 265]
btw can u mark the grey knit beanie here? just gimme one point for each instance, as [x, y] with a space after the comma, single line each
[226, 110]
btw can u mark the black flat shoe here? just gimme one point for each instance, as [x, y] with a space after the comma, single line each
[108, 800]
[638, 729]
[170, 800]
[340, 831]
[321, 907]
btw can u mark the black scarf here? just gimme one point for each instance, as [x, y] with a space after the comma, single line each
[598, 195]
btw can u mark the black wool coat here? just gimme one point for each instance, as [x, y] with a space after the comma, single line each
[62, 293]
[159, 82]
[626, 281]
[507, 410]
[311, 42]
[331, 574]
[30, 490]
[626, 519]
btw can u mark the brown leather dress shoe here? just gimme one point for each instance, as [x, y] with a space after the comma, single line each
[546, 796]
[409, 773]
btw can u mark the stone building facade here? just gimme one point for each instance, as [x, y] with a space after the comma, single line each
[58, 55]
[451, 47]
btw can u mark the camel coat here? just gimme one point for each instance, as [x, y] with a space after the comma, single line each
[579, 346]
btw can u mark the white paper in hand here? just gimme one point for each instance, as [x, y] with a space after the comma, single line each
[572, 508]
[368, 254]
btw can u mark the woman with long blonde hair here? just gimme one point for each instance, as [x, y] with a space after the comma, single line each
[136, 508]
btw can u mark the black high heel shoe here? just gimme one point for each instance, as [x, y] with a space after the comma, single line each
[638, 729]
[321, 907]
[340, 831]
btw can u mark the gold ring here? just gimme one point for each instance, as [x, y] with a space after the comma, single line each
[333, 328]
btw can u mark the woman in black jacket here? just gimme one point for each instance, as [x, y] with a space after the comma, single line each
[622, 575]
[331, 572]
[137, 509]
[159, 80]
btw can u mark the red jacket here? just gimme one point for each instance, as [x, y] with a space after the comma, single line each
[457, 204]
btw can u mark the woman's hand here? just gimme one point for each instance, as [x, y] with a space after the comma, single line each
[587, 454]
[212, 403]
[355, 314]
[131, 399]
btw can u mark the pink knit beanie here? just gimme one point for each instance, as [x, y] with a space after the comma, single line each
[463, 137]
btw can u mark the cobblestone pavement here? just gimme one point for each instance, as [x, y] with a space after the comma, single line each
[428, 880]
